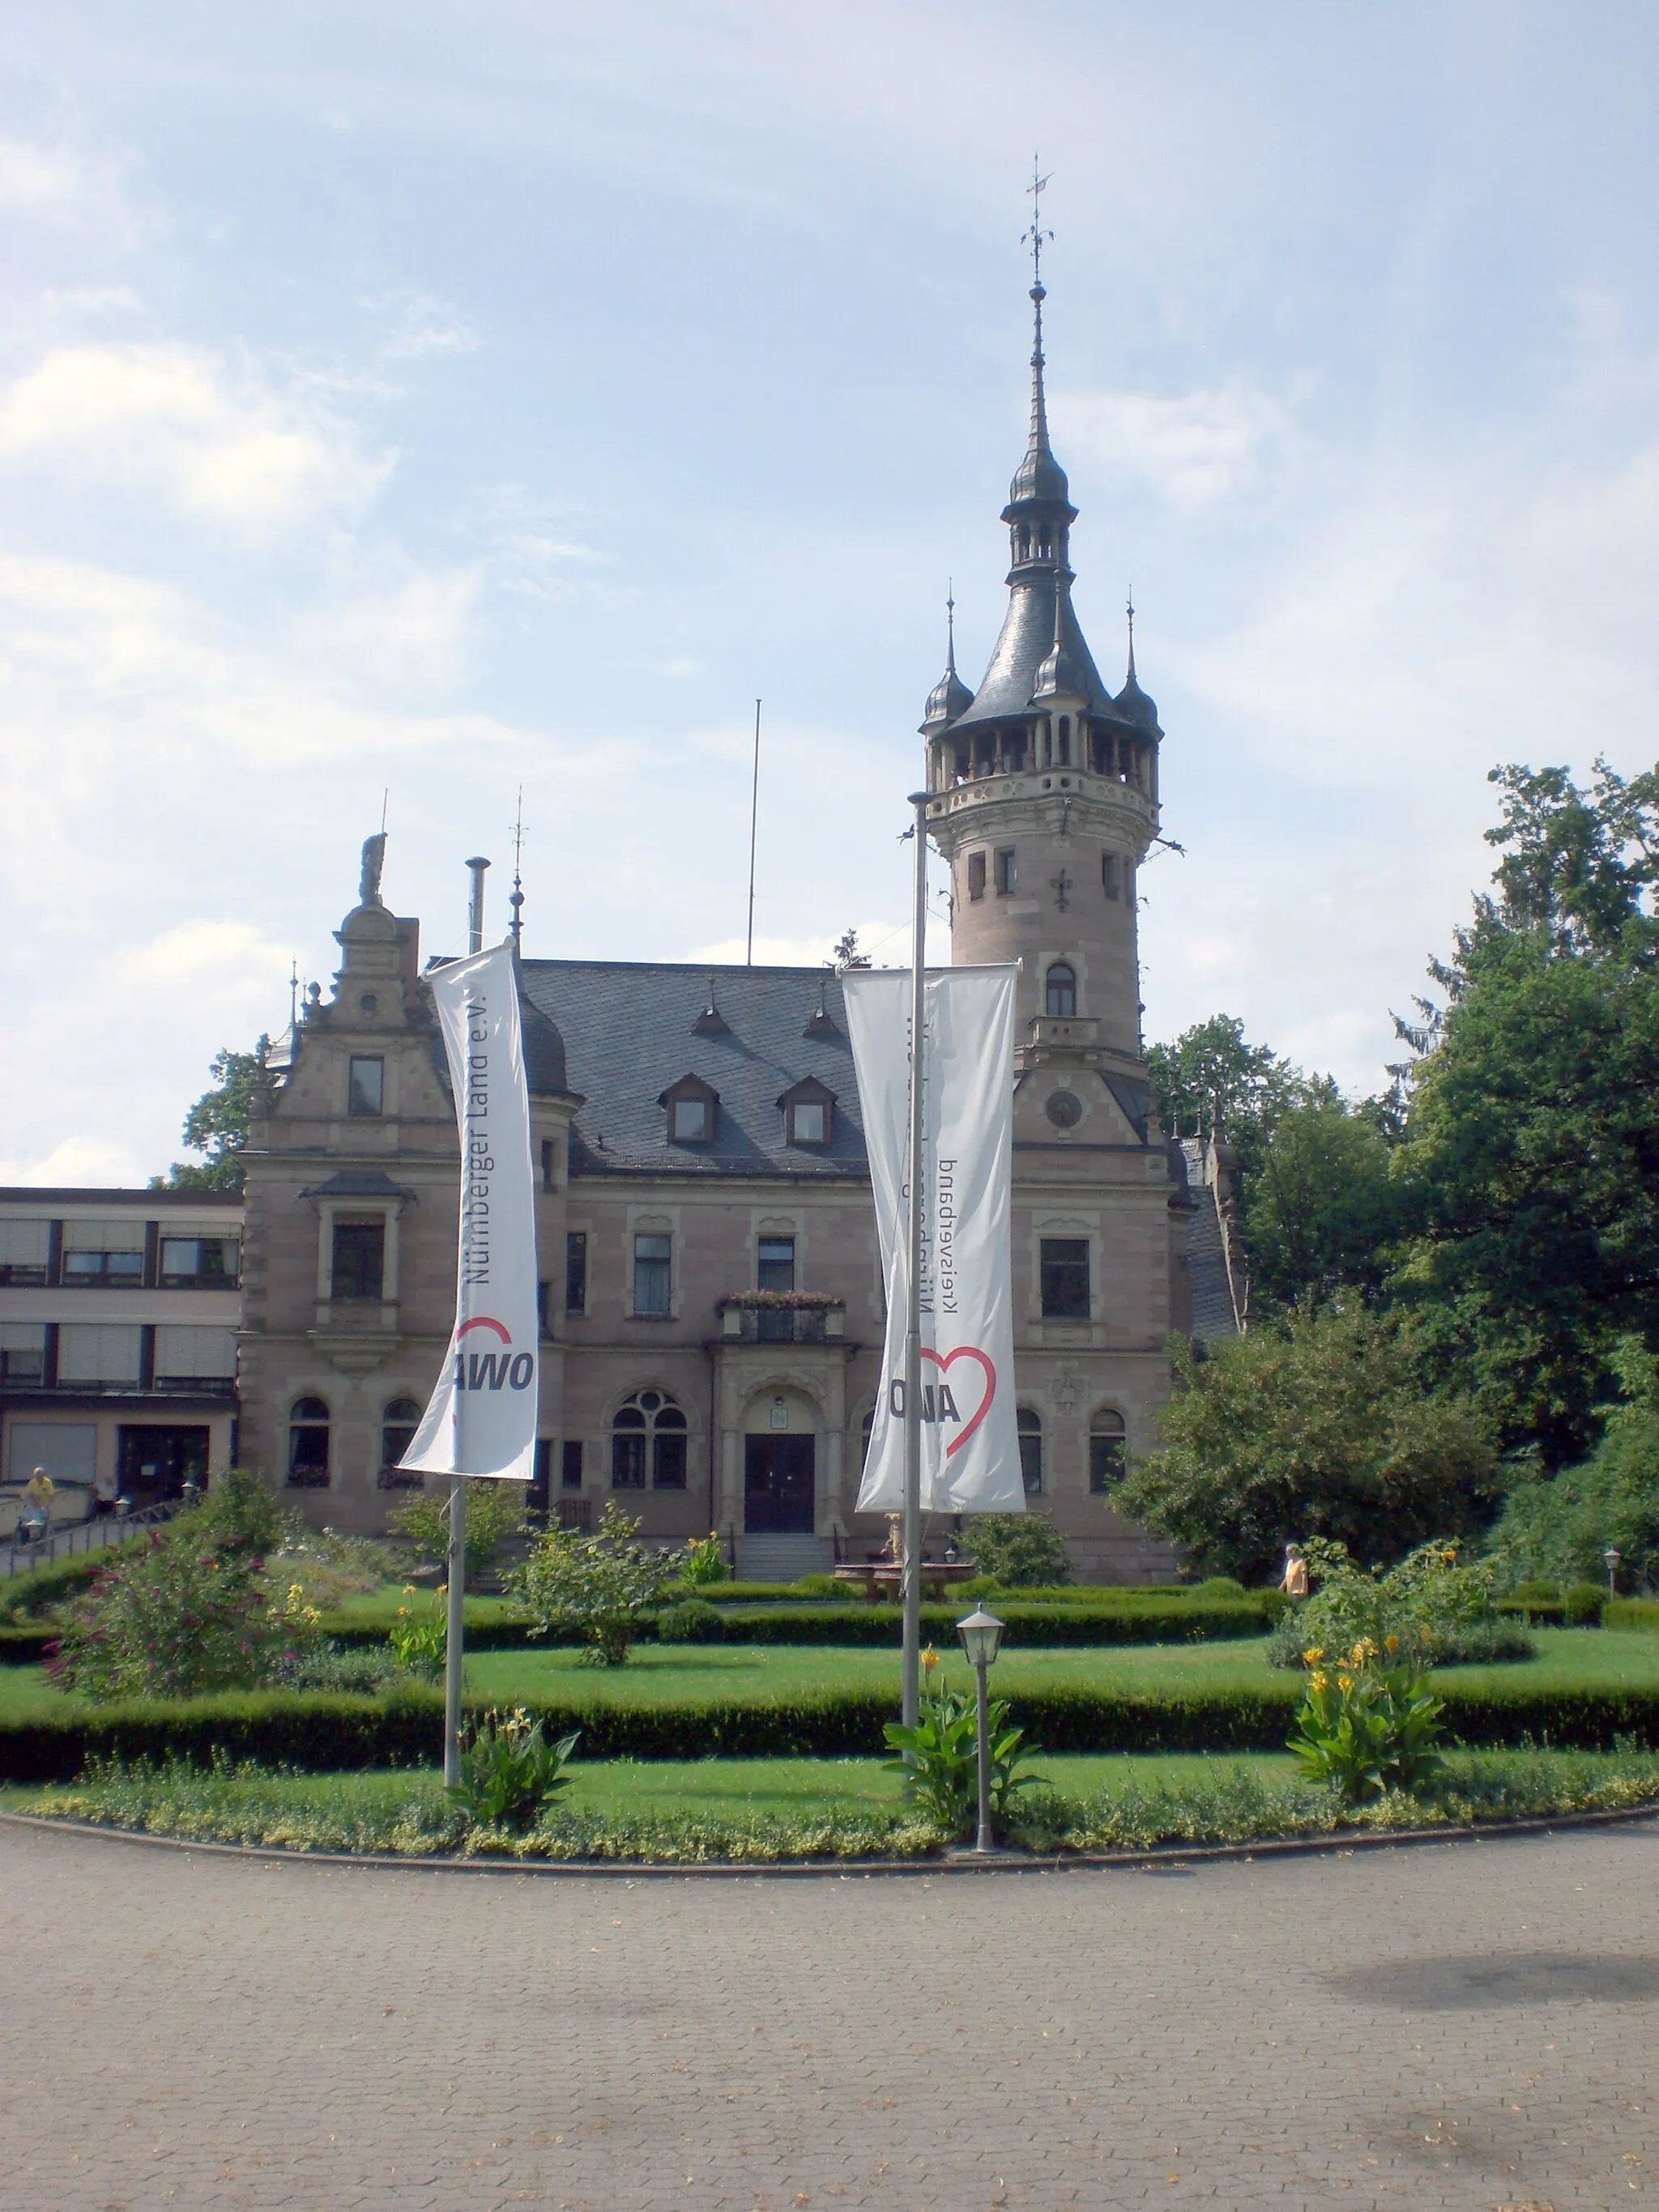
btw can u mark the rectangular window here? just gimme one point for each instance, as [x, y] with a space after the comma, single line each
[1108, 874]
[689, 1118]
[200, 1263]
[668, 1461]
[549, 1165]
[1108, 1460]
[1065, 1279]
[628, 1460]
[976, 875]
[1005, 875]
[359, 1269]
[570, 1464]
[652, 1258]
[187, 1354]
[100, 1351]
[1128, 882]
[775, 1268]
[23, 1351]
[25, 1251]
[104, 1255]
[807, 1119]
[575, 1272]
[543, 1291]
[366, 1093]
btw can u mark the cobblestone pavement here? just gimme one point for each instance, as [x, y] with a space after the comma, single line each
[1468, 2026]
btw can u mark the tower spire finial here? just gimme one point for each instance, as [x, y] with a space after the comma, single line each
[1132, 633]
[1036, 238]
[949, 625]
[515, 898]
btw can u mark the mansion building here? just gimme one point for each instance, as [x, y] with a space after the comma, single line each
[711, 1289]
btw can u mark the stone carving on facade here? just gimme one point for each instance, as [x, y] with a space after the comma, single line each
[368, 884]
[1066, 1389]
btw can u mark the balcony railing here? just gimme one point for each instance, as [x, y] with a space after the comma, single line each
[782, 1317]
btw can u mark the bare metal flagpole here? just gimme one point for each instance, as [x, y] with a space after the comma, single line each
[754, 818]
[912, 1530]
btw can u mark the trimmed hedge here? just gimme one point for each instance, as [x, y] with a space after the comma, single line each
[37, 1588]
[1632, 1612]
[324, 1731]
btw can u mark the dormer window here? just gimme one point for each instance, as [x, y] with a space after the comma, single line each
[809, 1112]
[691, 1105]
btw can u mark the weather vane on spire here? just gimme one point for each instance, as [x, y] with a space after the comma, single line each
[1036, 235]
[516, 897]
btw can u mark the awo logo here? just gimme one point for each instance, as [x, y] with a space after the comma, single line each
[939, 1402]
[491, 1370]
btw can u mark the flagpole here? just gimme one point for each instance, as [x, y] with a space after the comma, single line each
[455, 1612]
[912, 1527]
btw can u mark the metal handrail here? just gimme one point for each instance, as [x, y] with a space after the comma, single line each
[94, 1535]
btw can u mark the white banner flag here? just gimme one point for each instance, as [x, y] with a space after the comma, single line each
[482, 1417]
[970, 1440]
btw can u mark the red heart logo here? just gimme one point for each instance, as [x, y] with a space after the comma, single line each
[966, 1352]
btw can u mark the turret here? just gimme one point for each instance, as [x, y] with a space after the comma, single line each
[1043, 785]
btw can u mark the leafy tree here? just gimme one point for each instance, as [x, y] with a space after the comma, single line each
[1316, 1426]
[1023, 1551]
[494, 1514]
[217, 1124]
[846, 953]
[1320, 1207]
[1557, 1529]
[1530, 1164]
[1210, 1072]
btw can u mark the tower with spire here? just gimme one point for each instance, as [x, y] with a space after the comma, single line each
[1043, 785]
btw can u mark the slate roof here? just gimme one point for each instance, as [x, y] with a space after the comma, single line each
[628, 1029]
[1206, 1254]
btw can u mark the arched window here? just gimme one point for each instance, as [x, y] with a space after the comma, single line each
[649, 1432]
[1059, 991]
[869, 1425]
[398, 1426]
[1029, 1425]
[1109, 1449]
[307, 1444]
[1065, 741]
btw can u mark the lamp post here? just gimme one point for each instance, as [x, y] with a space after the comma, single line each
[1610, 1559]
[981, 1634]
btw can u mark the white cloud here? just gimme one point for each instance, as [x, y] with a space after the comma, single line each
[1194, 451]
[419, 632]
[71, 186]
[221, 444]
[77, 1163]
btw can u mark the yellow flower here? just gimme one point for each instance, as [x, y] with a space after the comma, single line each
[1312, 1657]
[930, 1659]
[1320, 1679]
[1391, 1642]
[1345, 1681]
[409, 1591]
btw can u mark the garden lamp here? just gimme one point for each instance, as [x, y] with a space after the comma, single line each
[981, 1634]
[1611, 1558]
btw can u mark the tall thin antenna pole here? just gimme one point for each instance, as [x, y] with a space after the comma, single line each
[386, 801]
[911, 1570]
[515, 898]
[754, 816]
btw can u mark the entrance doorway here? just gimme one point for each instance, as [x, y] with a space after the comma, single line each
[154, 1463]
[777, 1485]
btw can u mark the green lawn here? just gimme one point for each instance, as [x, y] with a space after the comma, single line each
[663, 1673]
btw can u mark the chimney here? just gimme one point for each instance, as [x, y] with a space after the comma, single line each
[474, 909]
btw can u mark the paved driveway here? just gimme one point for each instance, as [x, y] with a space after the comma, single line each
[1472, 2026]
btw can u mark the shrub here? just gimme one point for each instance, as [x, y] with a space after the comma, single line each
[1583, 1604]
[1432, 1605]
[238, 1513]
[1558, 1526]
[704, 1563]
[509, 1771]
[494, 1512]
[599, 1586]
[1536, 1593]
[1017, 1548]
[940, 1756]
[174, 1621]
[690, 1622]
[1640, 1613]
[818, 1586]
[1367, 1724]
[420, 1640]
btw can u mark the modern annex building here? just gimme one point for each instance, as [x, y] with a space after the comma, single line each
[711, 1290]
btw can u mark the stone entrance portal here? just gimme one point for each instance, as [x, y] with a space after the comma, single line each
[778, 1488]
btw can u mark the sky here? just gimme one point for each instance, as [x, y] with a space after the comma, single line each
[405, 405]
